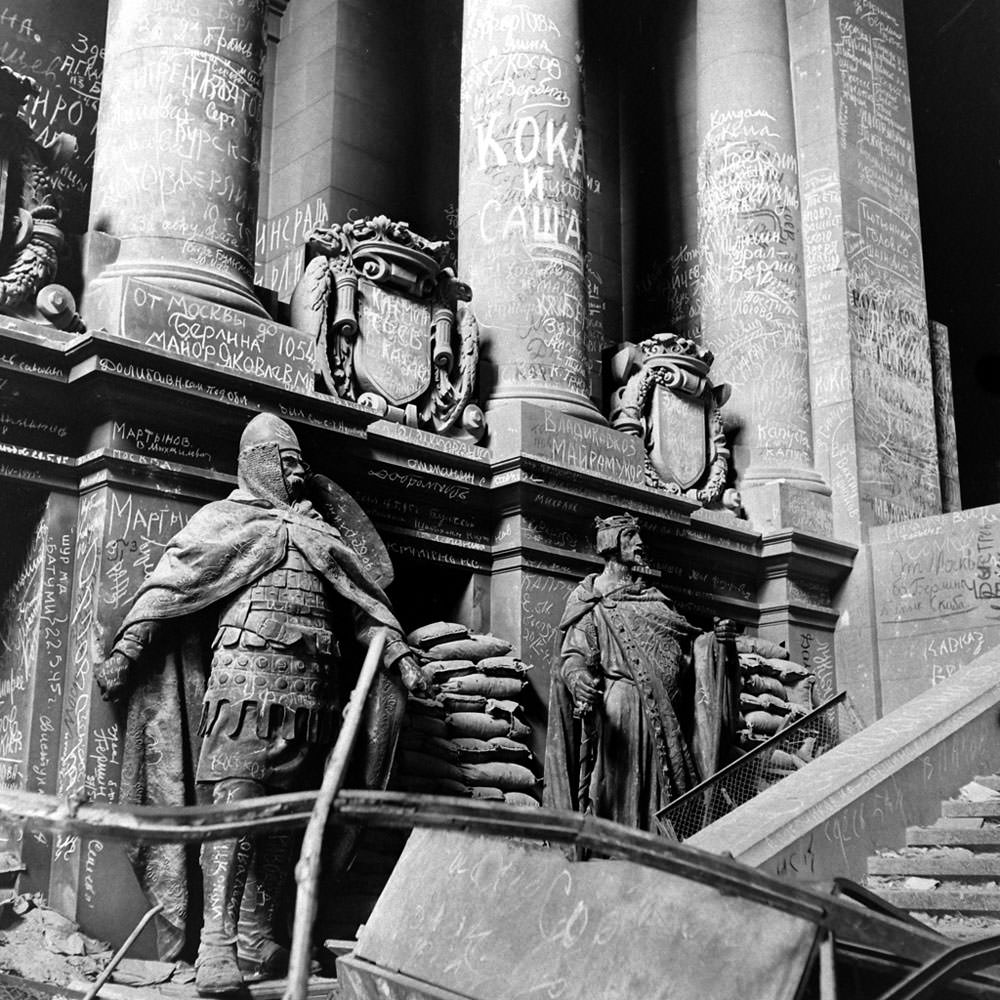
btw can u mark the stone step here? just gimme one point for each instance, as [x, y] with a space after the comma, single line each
[959, 807]
[989, 780]
[937, 864]
[962, 927]
[944, 836]
[959, 822]
[965, 900]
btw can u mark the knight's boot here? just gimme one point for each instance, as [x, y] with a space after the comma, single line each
[259, 953]
[224, 865]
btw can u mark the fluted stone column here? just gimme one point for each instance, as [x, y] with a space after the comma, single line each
[750, 234]
[522, 186]
[175, 175]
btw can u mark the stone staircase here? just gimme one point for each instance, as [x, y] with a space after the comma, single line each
[948, 875]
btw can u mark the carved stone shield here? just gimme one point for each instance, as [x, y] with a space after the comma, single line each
[392, 355]
[678, 437]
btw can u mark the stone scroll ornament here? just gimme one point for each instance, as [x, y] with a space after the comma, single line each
[31, 239]
[667, 398]
[393, 326]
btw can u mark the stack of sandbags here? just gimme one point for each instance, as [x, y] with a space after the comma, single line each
[470, 739]
[774, 692]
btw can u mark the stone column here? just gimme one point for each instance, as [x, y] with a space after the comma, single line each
[178, 137]
[944, 418]
[522, 186]
[750, 235]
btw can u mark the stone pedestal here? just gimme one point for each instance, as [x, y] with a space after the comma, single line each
[178, 137]
[35, 637]
[750, 235]
[522, 188]
[120, 534]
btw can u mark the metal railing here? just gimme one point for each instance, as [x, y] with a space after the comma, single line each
[782, 754]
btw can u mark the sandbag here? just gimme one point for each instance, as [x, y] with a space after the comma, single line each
[788, 672]
[764, 722]
[489, 794]
[411, 739]
[767, 702]
[481, 684]
[425, 765]
[426, 725]
[786, 761]
[475, 648]
[437, 632]
[502, 708]
[478, 725]
[470, 750]
[499, 774]
[425, 706]
[431, 786]
[763, 647]
[762, 684]
[445, 669]
[503, 666]
[517, 753]
[463, 702]
[520, 799]
[803, 693]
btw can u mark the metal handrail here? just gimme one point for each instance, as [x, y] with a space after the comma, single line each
[769, 743]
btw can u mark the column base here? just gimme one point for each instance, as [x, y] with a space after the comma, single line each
[795, 475]
[107, 260]
[781, 504]
[551, 399]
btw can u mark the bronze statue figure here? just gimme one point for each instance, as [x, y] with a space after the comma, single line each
[31, 236]
[276, 583]
[625, 736]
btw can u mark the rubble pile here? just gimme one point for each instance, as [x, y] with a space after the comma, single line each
[470, 739]
[41, 945]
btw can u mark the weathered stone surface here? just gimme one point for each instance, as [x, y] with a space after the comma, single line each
[869, 350]
[493, 919]
[943, 836]
[61, 47]
[750, 234]
[935, 583]
[939, 864]
[944, 417]
[775, 506]
[175, 176]
[568, 442]
[522, 186]
[207, 333]
[830, 817]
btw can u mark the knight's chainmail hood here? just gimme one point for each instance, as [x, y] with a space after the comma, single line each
[259, 466]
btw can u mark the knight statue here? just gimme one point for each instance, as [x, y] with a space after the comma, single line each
[271, 576]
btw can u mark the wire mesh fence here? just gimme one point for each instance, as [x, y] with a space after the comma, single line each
[764, 763]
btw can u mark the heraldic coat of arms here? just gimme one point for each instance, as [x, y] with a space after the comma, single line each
[393, 326]
[668, 399]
